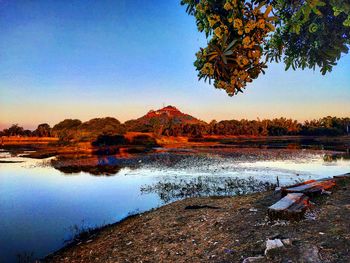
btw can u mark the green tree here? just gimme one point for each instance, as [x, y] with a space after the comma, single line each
[43, 130]
[66, 129]
[14, 130]
[243, 36]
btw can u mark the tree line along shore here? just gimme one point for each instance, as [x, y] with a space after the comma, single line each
[110, 130]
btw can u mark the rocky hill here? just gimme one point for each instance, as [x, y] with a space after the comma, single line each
[168, 115]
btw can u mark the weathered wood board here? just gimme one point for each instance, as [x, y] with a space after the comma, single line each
[342, 176]
[292, 206]
[296, 200]
[310, 188]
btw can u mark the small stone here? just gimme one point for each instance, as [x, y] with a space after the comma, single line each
[228, 251]
[273, 244]
[287, 242]
[310, 253]
[253, 210]
[311, 216]
[253, 259]
[321, 233]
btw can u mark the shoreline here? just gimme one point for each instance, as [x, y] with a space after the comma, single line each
[218, 229]
[50, 146]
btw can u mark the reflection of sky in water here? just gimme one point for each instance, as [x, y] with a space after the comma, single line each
[38, 204]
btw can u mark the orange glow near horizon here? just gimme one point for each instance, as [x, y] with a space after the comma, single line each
[41, 114]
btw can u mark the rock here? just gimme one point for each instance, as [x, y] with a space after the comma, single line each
[310, 254]
[253, 259]
[272, 245]
[229, 251]
[286, 242]
[310, 215]
[324, 192]
[253, 210]
[280, 223]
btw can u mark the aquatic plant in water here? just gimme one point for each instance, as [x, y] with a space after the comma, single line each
[172, 189]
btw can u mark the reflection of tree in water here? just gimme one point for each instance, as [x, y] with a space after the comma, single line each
[336, 157]
[94, 165]
[94, 170]
[172, 189]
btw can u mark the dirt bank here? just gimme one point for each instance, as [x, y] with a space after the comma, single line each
[226, 229]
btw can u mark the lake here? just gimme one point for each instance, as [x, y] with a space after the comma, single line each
[44, 201]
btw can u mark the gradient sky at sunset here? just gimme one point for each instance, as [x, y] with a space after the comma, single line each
[84, 59]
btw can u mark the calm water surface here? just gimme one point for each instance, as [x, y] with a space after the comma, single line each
[39, 204]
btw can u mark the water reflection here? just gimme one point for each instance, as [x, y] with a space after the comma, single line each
[173, 189]
[95, 165]
[39, 204]
[335, 157]
[205, 160]
[108, 170]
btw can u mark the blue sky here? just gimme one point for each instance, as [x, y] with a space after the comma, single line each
[85, 59]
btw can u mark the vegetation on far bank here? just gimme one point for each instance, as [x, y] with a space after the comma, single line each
[169, 121]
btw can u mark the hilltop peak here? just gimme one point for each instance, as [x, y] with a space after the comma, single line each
[168, 110]
[163, 116]
[169, 107]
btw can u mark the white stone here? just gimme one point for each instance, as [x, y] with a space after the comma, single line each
[253, 259]
[273, 244]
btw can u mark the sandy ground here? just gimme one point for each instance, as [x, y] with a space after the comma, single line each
[225, 229]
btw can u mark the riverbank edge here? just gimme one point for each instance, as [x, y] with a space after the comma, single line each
[256, 203]
[48, 147]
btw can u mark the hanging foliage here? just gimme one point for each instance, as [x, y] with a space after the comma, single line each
[243, 36]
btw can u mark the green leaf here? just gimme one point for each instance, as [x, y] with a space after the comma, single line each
[231, 44]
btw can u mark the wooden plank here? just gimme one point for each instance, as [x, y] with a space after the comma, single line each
[310, 188]
[287, 201]
[302, 183]
[290, 207]
[342, 176]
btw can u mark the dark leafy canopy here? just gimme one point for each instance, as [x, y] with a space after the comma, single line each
[244, 35]
[43, 130]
